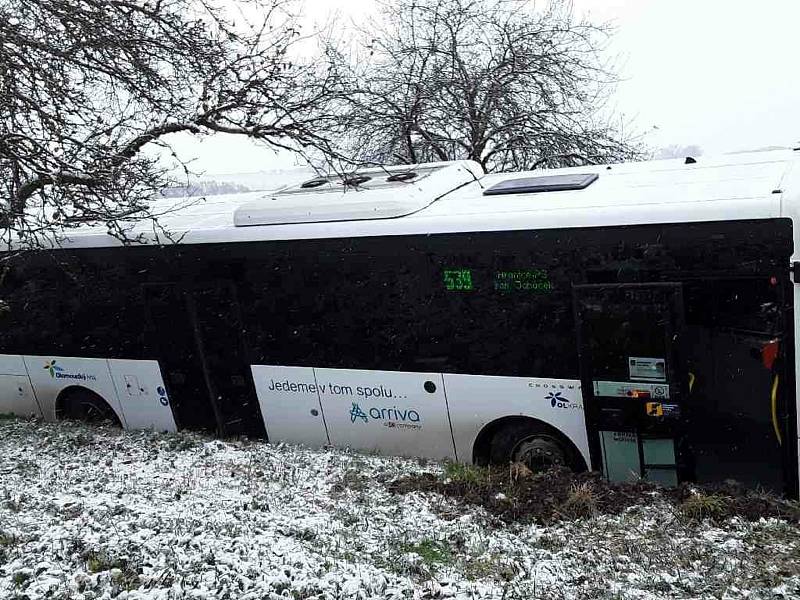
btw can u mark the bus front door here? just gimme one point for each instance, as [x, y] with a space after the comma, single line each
[738, 354]
[633, 379]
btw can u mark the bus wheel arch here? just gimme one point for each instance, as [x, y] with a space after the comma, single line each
[517, 438]
[79, 403]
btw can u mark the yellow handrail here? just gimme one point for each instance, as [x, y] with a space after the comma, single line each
[774, 399]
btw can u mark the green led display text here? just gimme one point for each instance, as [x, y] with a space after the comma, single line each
[458, 280]
[527, 280]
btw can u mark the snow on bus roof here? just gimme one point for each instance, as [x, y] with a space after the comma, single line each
[649, 191]
[449, 198]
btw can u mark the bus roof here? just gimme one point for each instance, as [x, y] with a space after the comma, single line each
[449, 197]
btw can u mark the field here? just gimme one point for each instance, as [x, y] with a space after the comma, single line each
[93, 512]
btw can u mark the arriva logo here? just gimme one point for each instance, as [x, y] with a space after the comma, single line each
[357, 413]
[53, 368]
[57, 372]
[392, 415]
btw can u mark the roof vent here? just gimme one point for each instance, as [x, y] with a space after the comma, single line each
[406, 176]
[312, 183]
[547, 183]
[355, 180]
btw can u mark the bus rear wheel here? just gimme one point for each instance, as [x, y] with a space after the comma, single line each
[529, 444]
[87, 406]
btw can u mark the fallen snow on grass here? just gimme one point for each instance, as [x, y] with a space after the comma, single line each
[97, 513]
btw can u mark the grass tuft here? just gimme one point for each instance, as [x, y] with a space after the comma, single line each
[180, 442]
[494, 567]
[519, 472]
[20, 577]
[432, 552]
[581, 501]
[469, 474]
[699, 506]
[97, 562]
[7, 539]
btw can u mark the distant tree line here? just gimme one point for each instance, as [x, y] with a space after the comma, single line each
[203, 188]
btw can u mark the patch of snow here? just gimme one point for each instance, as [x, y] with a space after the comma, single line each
[98, 513]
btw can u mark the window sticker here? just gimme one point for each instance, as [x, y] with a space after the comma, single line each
[647, 369]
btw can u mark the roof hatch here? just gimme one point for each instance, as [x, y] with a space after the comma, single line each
[545, 183]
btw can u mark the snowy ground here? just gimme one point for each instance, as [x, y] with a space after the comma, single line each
[98, 513]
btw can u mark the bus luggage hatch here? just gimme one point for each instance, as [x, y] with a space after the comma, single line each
[633, 378]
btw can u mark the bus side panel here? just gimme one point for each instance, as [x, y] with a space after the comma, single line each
[16, 392]
[142, 394]
[17, 397]
[394, 412]
[50, 375]
[290, 405]
[477, 400]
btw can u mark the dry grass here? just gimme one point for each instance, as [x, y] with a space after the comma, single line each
[581, 501]
[699, 506]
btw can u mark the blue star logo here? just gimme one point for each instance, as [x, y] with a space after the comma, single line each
[554, 397]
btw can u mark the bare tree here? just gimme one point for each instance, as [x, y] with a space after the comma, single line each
[87, 86]
[502, 82]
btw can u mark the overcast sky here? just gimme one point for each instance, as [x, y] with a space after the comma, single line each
[719, 74]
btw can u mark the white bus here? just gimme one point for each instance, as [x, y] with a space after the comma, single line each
[635, 319]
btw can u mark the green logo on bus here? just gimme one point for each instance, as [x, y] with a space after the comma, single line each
[57, 372]
[52, 367]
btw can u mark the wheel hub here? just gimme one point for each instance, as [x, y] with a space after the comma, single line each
[539, 453]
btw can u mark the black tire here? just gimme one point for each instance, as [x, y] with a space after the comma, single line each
[84, 405]
[532, 444]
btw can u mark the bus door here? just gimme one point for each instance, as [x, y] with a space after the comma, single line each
[197, 334]
[633, 379]
[170, 336]
[214, 309]
[741, 396]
